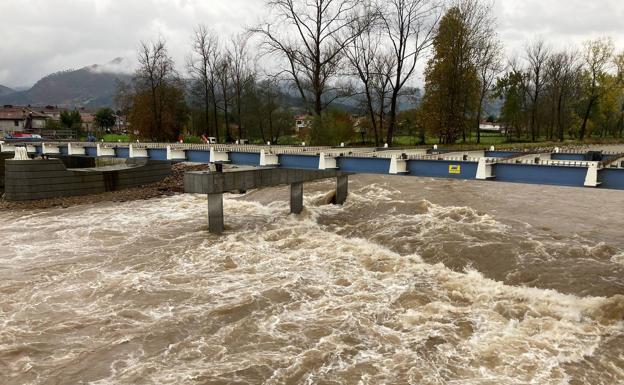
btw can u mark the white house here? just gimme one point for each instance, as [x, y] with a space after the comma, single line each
[492, 127]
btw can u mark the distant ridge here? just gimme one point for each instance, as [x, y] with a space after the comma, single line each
[5, 90]
[93, 86]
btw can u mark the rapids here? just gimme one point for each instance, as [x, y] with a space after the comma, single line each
[411, 282]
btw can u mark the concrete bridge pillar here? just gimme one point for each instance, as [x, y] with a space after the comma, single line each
[296, 198]
[215, 213]
[342, 189]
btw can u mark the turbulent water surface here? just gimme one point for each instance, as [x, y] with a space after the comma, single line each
[413, 281]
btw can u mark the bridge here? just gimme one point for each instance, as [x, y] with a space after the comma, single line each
[596, 169]
[576, 168]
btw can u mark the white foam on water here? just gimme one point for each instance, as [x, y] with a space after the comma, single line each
[618, 258]
[140, 290]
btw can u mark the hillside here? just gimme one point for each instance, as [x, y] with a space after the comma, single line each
[93, 86]
[5, 90]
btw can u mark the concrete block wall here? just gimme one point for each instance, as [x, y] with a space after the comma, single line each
[3, 157]
[40, 179]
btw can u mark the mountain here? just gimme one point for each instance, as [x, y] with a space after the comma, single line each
[5, 90]
[93, 86]
[409, 98]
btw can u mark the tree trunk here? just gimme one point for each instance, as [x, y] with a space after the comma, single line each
[586, 118]
[228, 134]
[270, 126]
[533, 118]
[156, 127]
[207, 109]
[371, 112]
[391, 126]
[215, 109]
[560, 118]
[262, 132]
[240, 119]
[479, 112]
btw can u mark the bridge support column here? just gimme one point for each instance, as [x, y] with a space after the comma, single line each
[215, 213]
[296, 198]
[342, 189]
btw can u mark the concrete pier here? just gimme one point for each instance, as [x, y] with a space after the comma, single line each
[342, 189]
[215, 213]
[215, 184]
[296, 198]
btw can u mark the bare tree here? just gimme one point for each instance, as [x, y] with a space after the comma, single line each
[561, 71]
[537, 56]
[408, 26]
[384, 66]
[223, 72]
[156, 69]
[311, 35]
[364, 55]
[270, 92]
[487, 50]
[201, 66]
[241, 72]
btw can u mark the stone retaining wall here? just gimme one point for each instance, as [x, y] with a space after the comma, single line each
[40, 179]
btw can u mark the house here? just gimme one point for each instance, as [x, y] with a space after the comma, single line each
[54, 113]
[302, 122]
[359, 124]
[15, 119]
[51, 112]
[495, 128]
[88, 121]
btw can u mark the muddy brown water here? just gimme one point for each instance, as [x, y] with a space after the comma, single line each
[413, 281]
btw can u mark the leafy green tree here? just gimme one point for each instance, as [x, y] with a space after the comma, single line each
[105, 118]
[598, 60]
[512, 89]
[71, 120]
[451, 80]
[52, 124]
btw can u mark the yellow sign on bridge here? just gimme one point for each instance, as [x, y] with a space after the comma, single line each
[455, 169]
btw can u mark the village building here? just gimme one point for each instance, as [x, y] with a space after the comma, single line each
[489, 127]
[14, 119]
[54, 113]
[302, 123]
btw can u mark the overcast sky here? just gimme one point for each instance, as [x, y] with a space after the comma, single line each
[38, 37]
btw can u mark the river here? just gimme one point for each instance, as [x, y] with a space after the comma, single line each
[413, 281]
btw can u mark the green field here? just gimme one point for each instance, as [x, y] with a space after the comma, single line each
[117, 138]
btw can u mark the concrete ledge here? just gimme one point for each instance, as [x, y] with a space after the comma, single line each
[41, 179]
[235, 180]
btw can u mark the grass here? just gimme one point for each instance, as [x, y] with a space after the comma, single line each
[487, 140]
[117, 138]
[500, 142]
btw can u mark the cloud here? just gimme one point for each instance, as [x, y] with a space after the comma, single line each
[561, 23]
[44, 36]
[117, 66]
